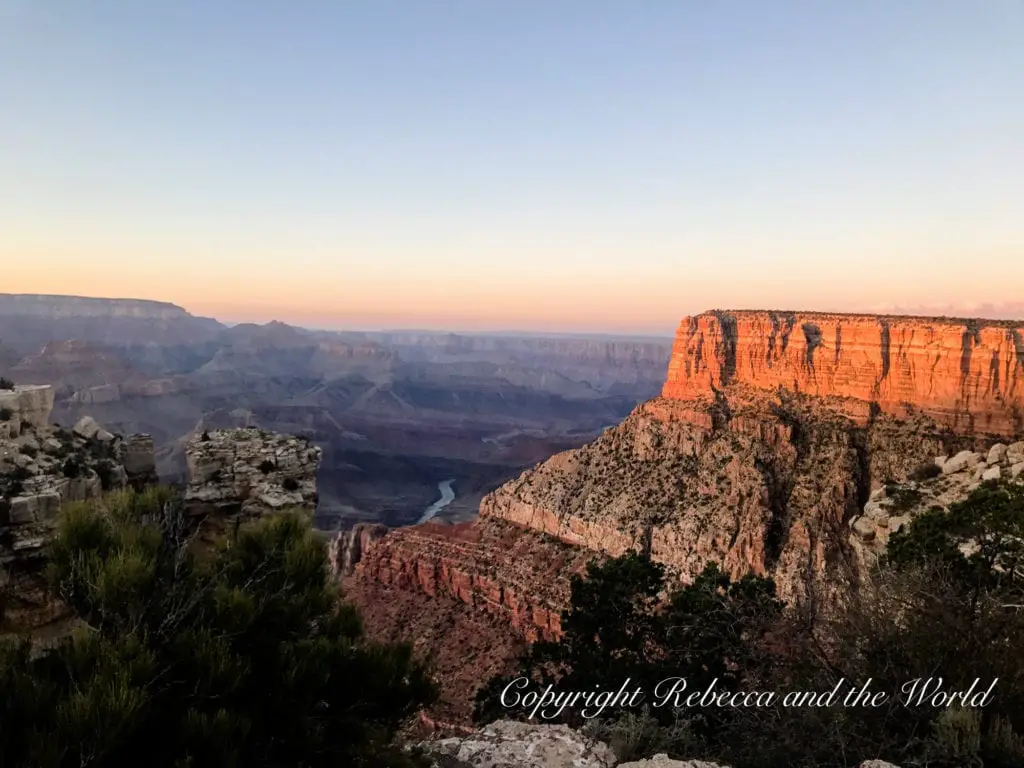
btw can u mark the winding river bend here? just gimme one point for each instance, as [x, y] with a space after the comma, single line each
[447, 497]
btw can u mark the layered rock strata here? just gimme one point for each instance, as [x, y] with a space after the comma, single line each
[498, 568]
[965, 374]
[42, 467]
[235, 474]
[772, 433]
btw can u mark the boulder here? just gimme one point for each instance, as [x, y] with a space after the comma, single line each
[992, 473]
[874, 510]
[996, 453]
[664, 761]
[86, 428]
[510, 744]
[960, 462]
[940, 461]
[1015, 452]
[1017, 469]
[864, 527]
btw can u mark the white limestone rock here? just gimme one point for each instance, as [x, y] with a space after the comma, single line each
[86, 428]
[996, 454]
[664, 761]
[30, 404]
[960, 462]
[509, 744]
[992, 473]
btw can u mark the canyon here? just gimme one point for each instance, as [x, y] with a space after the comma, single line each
[772, 437]
[394, 413]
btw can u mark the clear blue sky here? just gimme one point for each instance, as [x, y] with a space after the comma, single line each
[584, 165]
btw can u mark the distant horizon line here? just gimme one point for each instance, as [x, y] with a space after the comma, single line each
[916, 313]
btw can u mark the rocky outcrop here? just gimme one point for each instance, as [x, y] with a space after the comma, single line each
[240, 473]
[30, 404]
[966, 374]
[345, 549]
[511, 744]
[664, 761]
[754, 482]
[41, 468]
[951, 480]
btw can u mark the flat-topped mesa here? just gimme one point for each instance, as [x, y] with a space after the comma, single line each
[965, 374]
[249, 472]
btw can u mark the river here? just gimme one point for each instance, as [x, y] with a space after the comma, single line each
[447, 497]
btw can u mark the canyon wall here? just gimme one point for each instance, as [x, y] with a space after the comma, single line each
[966, 374]
[520, 576]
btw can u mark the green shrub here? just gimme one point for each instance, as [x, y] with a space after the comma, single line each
[234, 654]
[267, 466]
[6, 383]
[290, 484]
[6, 414]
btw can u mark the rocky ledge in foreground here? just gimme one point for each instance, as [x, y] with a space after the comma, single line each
[512, 744]
[43, 466]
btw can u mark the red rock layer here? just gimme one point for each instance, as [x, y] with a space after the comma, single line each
[498, 568]
[966, 374]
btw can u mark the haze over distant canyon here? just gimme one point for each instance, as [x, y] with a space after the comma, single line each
[398, 414]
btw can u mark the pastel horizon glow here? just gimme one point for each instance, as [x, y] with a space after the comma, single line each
[574, 166]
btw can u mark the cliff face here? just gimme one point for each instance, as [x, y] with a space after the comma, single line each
[500, 569]
[965, 374]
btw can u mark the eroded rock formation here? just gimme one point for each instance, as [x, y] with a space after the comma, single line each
[520, 576]
[42, 466]
[772, 434]
[242, 473]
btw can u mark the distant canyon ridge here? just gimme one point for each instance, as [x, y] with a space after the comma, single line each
[395, 413]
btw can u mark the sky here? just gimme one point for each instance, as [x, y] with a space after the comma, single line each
[579, 165]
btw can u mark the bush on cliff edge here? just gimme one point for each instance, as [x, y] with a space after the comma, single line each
[239, 656]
